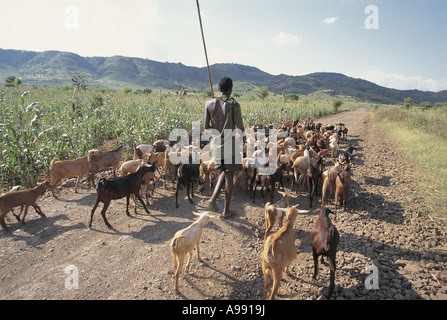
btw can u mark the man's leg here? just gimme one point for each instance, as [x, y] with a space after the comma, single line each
[229, 176]
[212, 201]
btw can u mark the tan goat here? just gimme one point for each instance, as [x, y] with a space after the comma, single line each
[271, 212]
[184, 242]
[279, 252]
[329, 176]
[66, 169]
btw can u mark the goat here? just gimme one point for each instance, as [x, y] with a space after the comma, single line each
[333, 148]
[208, 171]
[65, 169]
[271, 212]
[325, 239]
[313, 177]
[158, 160]
[132, 166]
[342, 186]
[347, 156]
[270, 181]
[300, 166]
[25, 198]
[279, 252]
[184, 242]
[329, 176]
[142, 151]
[187, 173]
[117, 188]
[103, 160]
[170, 169]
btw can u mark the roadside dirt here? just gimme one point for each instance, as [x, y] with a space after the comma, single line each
[383, 227]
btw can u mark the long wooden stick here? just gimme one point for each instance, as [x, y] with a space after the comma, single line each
[204, 46]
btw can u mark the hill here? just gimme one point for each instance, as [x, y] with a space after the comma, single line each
[55, 68]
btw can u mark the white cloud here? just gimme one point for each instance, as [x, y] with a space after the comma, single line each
[403, 82]
[330, 20]
[285, 39]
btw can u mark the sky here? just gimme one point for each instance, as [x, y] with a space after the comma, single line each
[398, 44]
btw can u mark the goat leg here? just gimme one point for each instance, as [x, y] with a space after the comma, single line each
[38, 210]
[2, 222]
[142, 202]
[332, 276]
[315, 256]
[103, 214]
[176, 193]
[24, 214]
[188, 189]
[93, 211]
[127, 205]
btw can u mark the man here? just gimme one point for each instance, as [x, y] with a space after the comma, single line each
[224, 115]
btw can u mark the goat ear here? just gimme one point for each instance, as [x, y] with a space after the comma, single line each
[296, 206]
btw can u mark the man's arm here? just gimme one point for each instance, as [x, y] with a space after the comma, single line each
[207, 117]
[238, 118]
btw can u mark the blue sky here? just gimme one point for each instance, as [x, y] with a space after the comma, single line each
[407, 49]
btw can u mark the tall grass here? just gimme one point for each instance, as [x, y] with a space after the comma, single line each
[39, 125]
[422, 135]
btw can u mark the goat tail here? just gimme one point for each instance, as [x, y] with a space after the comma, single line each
[100, 184]
[52, 162]
[90, 153]
[174, 243]
[269, 257]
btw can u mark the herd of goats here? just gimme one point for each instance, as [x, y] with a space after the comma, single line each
[311, 150]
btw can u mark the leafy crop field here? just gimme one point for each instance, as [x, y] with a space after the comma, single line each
[38, 125]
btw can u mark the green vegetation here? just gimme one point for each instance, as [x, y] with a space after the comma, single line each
[39, 125]
[422, 134]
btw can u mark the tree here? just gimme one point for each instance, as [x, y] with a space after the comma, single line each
[408, 103]
[13, 82]
[263, 92]
[78, 83]
[337, 104]
[426, 105]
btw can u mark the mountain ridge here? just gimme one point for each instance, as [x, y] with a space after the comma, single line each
[55, 68]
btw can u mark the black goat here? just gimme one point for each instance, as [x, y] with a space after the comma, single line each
[117, 188]
[347, 155]
[187, 173]
[270, 181]
[325, 239]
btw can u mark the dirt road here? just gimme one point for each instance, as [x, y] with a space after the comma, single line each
[383, 227]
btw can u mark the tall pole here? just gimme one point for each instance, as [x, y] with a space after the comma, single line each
[204, 46]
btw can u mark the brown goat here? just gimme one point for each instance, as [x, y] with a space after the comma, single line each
[65, 169]
[104, 160]
[314, 174]
[279, 252]
[325, 239]
[342, 186]
[22, 198]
